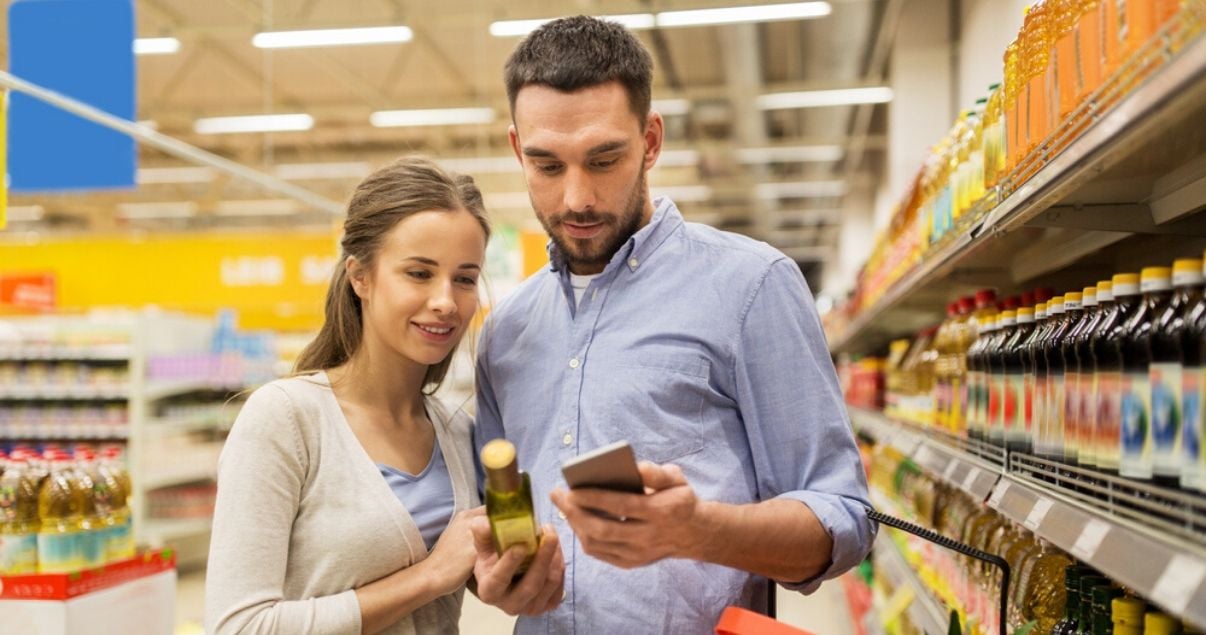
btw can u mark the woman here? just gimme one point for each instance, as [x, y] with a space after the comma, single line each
[345, 493]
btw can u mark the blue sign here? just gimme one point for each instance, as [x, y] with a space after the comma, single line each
[83, 49]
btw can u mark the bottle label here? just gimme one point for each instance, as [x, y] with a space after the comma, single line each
[1136, 421]
[59, 552]
[94, 548]
[1055, 414]
[1028, 405]
[1109, 414]
[18, 553]
[1088, 419]
[1072, 421]
[970, 403]
[509, 532]
[1040, 413]
[1165, 433]
[121, 541]
[1015, 414]
[1192, 425]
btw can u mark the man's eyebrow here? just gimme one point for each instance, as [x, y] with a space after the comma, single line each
[539, 153]
[602, 148]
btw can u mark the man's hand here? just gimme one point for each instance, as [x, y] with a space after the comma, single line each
[646, 528]
[540, 588]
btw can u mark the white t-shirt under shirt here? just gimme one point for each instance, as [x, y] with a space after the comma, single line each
[580, 283]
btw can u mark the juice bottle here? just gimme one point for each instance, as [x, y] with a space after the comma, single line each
[1108, 359]
[1165, 376]
[1045, 594]
[1137, 442]
[1030, 377]
[1056, 429]
[19, 522]
[1087, 445]
[1074, 389]
[60, 506]
[1193, 420]
[1090, 55]
[1010, 107]
[1038, 52]
[1016, 432]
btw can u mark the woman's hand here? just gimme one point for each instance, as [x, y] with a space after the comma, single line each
[455, 553]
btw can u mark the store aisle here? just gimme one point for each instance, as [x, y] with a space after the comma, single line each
[823, 612]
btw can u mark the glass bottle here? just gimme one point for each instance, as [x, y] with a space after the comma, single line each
[1108, 356]
[1137, 443]
[1165, 376]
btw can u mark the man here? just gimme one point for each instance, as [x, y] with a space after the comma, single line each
[699, 347]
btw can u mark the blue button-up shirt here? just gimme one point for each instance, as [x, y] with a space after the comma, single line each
[703, 349]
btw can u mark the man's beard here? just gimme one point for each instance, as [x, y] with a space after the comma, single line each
[615, 232]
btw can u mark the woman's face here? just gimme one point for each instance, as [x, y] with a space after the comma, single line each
[421, 291]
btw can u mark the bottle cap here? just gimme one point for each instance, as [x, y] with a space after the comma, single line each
[1125, 284]
[1157, 623]
[1027, 298]
[1025, 315]
[1040, 311]
[1073, 297]
[966, 305]
[1043, 294]
[1089, 296]
[985, 298]
[1011, 303]
[1187, 272]
[1128, 611]
[498, 454]
[1008, 318]
[1155, 279]
[952, 309]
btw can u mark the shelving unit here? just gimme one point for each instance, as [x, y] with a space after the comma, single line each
[1162, 556]
[924, 610]
[1132, 184]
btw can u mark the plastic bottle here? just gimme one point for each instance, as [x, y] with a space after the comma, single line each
[1165, 376]
[943, 346]
[962, 337]
[93, 533]
[1044, 596]
[60, 507]
[1064, 67]
[1074, 387]
[1056, 429]
[1090, 54]
[19, 523]
[120, 544]
[1137, 442]
[1193, 419]
[1038, 53]
[1108, 359]
[994, 137]
[1128, 24]
[1087, 455]
[1011, 107]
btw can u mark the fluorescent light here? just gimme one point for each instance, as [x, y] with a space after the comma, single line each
[318, 171]
[678, 158]
[331, 37]
[818, 98]
[257, 207]
[790, 154]
[671, 107]
[683, 193]
[140, 211]
[432, 117]
[253, 123]
[734, 15]
[483, 165]
[175, 175]
[156, 45]
[25, 213]
[669, 19]
[799, 189]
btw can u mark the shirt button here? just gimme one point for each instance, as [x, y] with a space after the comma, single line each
[564, 593]
[561, 515]
[634, 263]
[574, 363]
[567, 439]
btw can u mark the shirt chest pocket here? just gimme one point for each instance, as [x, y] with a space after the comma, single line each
[654, 401]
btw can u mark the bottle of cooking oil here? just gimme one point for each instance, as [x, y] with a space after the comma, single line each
[1064, 65]
[1090, 55]
[1045, 595]
[1011, 93]
[1038, 53]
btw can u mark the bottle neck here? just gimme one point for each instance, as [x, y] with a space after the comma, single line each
[504, 479]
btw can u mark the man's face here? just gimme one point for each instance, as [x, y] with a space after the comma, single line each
[584, 156]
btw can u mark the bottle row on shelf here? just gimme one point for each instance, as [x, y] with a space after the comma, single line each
[1071, 60]
[1108, 377]
[1049, 590]
[63, 511]
[20, 420]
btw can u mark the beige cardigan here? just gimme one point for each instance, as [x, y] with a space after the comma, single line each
[303, 517]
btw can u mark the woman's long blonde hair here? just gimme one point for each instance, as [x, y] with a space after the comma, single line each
[385, 198]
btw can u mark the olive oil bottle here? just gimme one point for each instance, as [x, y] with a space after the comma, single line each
[509, 501]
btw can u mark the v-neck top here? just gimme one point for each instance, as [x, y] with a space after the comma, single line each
[303, 517]
[426, 495]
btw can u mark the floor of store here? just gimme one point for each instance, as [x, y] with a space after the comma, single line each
[815, 613]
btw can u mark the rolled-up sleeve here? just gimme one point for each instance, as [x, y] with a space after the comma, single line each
[799, 434]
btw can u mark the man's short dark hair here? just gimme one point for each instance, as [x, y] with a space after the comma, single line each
[579, 52]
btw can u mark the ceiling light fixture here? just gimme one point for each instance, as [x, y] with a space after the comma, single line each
[694, 17]
[790, 154]
[253, 123]
[432, 117]
[331, 37]
[156, 46]
[819, 98]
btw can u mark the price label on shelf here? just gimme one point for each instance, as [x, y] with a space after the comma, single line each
[1091, 537]
[1179, 582]
[969, 481]
[998, 494]
[1037, 513]
[923, 454]
[948, 474]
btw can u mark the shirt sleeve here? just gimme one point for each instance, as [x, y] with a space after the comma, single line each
[799, 435]
[260, 477]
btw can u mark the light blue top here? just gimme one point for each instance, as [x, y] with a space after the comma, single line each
[701, 348]
[427, 496]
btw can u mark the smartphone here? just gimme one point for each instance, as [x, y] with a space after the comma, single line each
[612, 467]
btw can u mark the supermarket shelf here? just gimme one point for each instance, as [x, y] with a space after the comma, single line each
[925, 611]
[166, 426]
[164, 388]
[114, 353]
[66, 432]
[65, 393]
[1151, 539]
[1129, 182]
[182, 476]
[161, 531]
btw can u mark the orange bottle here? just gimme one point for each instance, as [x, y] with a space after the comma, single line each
[1164, 12]
[1011, 92]
[1065, 62]
[1090, 55]
[1038, 52]
[1128, 24]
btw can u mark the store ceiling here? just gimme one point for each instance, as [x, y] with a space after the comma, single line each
[717, 164]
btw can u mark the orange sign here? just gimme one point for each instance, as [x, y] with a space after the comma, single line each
[34, 292]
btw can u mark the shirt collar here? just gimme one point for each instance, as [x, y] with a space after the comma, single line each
[666, 218]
